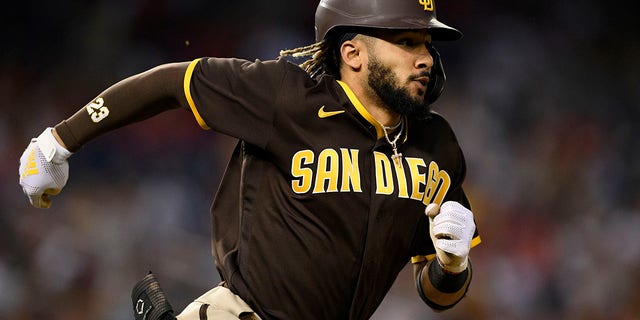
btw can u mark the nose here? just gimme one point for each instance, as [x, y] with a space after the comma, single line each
[424, 58]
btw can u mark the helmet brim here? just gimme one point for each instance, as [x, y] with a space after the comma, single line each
[442, 32]
[438, 30]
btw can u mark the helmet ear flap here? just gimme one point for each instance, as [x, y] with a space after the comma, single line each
[437, 78]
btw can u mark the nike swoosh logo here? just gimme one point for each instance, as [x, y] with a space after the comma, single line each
[325, 114]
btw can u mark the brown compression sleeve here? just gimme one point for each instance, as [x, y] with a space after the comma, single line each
[133, 99]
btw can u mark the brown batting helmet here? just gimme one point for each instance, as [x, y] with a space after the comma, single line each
[386, 14]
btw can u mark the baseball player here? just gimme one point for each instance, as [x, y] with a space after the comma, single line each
[341, 175]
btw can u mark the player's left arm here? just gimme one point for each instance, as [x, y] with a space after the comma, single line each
[443, 279]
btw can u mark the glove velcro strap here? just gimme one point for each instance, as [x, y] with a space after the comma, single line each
[52, 150]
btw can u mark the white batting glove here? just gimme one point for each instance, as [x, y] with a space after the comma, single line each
[44, 169]
[451, 228]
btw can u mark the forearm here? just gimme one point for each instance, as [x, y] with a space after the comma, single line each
[439, 289]
[130, 100]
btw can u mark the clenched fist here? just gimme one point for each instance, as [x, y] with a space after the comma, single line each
[44, 169]
[451, 228]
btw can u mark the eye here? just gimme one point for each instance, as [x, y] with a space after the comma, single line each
[407, 42]
[413, 40]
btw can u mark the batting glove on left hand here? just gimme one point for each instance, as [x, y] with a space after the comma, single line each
[44, 169]
[451, 228]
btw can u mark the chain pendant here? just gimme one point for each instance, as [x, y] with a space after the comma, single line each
[397, 157]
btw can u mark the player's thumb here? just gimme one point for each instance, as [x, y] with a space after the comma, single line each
[40, 201]
[432, 210]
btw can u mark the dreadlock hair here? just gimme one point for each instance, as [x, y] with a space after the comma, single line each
[325, 54]
[322, 58]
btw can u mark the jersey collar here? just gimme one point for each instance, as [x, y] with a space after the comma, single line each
[366, 115]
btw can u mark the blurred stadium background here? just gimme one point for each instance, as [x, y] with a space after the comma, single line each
[544, 97]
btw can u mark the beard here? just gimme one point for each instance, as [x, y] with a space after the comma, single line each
[384, 84]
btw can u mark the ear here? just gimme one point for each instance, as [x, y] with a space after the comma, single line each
[353, 54]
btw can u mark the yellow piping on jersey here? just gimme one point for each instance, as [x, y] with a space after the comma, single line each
[361, 109]
[187, 94]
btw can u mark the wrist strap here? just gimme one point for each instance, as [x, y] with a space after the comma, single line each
[51, 148]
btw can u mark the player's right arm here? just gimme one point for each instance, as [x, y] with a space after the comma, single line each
[44, 168]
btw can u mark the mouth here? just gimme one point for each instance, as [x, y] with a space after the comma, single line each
[422, 81]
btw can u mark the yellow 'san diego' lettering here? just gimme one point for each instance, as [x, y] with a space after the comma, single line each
[339, 171]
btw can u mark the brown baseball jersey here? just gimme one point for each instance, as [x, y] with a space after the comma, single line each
[313, 218]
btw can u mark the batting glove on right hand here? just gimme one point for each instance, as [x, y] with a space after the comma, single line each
[44, 169]
[451, 228]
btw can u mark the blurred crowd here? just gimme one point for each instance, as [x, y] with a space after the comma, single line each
[544, 97]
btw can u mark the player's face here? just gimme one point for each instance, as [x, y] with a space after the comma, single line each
[399, 65]
[387, 87]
